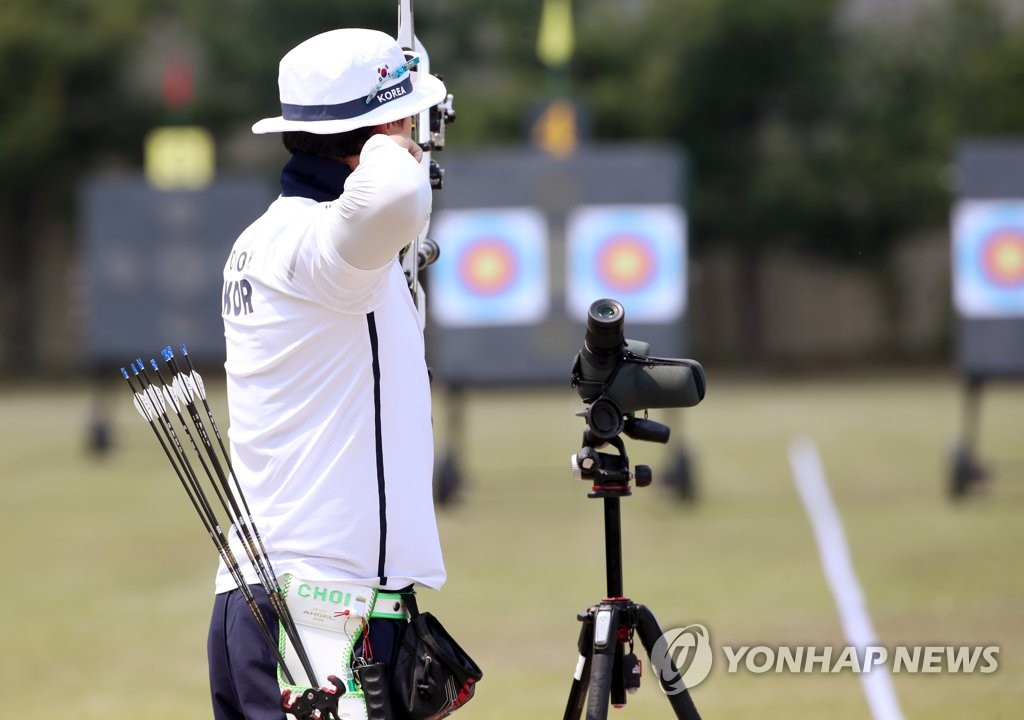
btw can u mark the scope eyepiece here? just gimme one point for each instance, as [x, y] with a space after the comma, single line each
[605, 327]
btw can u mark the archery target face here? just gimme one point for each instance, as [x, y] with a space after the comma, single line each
[988, 258]
[635, 254]
[492, 270]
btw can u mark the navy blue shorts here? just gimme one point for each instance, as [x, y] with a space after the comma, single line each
[243, 671]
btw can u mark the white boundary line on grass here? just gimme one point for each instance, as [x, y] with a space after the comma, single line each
[838, 566]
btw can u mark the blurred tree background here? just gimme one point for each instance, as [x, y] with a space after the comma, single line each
[825, 127]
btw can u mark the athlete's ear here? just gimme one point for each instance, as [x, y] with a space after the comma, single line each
[395, 127]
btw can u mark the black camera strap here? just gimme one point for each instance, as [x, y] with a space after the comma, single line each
[649, 361]
[409, 598]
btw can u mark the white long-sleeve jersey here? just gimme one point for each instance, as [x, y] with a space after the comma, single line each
[327, 383]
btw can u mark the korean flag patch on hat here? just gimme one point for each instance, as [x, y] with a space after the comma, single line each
[346, 79]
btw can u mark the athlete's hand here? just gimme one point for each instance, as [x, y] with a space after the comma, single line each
[415, 150]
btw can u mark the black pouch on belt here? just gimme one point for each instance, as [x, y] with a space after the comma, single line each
[373, 679]
[433, 676]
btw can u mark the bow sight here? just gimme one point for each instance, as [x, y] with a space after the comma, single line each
[440, 116]
[428, 126]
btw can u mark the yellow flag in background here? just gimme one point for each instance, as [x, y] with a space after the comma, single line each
[555, 38]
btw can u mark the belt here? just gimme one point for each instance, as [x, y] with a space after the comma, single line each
[325, 603]
[389, 605]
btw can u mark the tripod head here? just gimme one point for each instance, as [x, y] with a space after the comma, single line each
[609, 474]
[615, 377]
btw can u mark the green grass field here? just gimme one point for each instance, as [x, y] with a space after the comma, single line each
[109, 574]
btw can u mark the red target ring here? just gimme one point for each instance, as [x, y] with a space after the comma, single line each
[488, 267]
[625, 263]
[1002, 257]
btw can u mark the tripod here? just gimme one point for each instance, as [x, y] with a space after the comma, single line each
[605, 671]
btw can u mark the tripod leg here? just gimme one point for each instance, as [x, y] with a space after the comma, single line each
[618, 688]
[650, 631]
[606, 629]
[581, 679]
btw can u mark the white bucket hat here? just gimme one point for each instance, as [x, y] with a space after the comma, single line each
[346, 79]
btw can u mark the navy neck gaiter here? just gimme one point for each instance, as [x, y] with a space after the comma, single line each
[313, 177]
